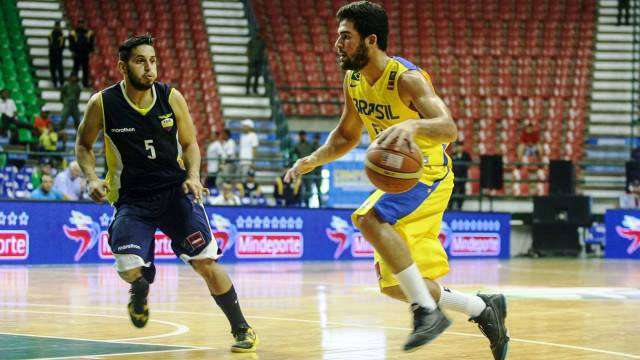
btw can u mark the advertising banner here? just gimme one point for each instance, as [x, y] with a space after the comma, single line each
[68, 232]
[622, 234]
[348, 183]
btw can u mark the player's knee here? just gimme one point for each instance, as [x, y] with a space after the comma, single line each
[394, 292]
[130, 275]
[204, 267]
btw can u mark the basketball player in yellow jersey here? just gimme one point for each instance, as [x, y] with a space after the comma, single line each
[396, 103]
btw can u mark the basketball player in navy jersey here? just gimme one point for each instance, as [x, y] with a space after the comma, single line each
[153, 182]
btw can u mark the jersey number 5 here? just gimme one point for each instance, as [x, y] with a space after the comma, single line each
[148, 145]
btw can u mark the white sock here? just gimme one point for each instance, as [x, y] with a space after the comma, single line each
[414, 288]
[471, 305]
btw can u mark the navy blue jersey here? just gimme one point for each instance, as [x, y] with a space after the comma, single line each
[141, 145]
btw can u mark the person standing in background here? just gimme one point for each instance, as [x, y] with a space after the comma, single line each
[56, 46]
[623, 6]
[81, 44]
[70, 97]
[256, 55]
[461, 161]
[304, 148]
[248, 147]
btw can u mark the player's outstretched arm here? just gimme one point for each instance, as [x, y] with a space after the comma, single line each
[341, 140]
[190, 150]
[436, 123]
[85, 138]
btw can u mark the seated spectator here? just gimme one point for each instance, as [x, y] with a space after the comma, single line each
[45, 168]
[49, 139]
[8, 111]
[70, 182]
[250, 191]
[41, 123]
[9, 119]
[46, 191]
[287, 194]
[631, 198]
[529, 143]
[226, 197]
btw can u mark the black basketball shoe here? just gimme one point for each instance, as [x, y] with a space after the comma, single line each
[427, 325]
[138, 308]
[491, 323]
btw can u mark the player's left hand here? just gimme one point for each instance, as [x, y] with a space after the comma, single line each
[398, 137]
[195, 187]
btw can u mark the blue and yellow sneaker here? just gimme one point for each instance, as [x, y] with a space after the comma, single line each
[246, 340]
[138, 307]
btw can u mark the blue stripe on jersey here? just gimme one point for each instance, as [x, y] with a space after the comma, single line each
[393, 207]
[408, 64]
[444, 154]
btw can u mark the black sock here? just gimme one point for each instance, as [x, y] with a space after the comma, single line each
[229, 304]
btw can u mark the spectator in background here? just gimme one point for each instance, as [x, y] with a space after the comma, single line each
[214, 155]
[304, 148]
[256, 55]
[56, 46]
[229, 155]
[248, 147]
[226, 197]
[81, 44]
[623, 5]
[287, 193]
[529, 143]
[46, 191]
[7, 111]
[49, 139]
[70, 183]
[45, 168]
[631, 198]
[461, 162]
[41, 123]
[250, 191]
[70, 97]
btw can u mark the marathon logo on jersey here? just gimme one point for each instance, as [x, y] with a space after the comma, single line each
[14, 245]
[630, 230]
[162, 249]
[269, 245]
[346, 236]
[84, 231]
[379, 111]
[123, 130]
[475, 244]
[166, 121]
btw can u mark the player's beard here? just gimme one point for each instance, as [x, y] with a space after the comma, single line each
[136, 82]
[359, 59]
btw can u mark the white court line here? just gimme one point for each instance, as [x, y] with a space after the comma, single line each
[180, 329]
[99, 356]
[535, 342]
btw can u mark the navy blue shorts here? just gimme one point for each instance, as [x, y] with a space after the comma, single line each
[132, 231]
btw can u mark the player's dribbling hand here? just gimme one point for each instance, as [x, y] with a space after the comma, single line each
[301, 167]
[98, 190]
[195, 187]
[398, 137]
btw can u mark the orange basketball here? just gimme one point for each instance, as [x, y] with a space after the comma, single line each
[393, 171]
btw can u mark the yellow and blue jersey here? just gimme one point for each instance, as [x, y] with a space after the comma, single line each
[379, 106]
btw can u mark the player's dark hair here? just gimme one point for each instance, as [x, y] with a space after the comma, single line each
[368, 18]
[126, 48]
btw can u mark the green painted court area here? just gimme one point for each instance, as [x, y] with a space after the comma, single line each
[33, 347]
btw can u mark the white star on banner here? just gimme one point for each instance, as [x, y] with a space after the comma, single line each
[105, 220]
[12, 218]
[23, 219]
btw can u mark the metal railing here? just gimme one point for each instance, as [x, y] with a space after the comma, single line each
[271, 90]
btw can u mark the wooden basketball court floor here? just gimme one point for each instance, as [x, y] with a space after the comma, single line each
[558, 309]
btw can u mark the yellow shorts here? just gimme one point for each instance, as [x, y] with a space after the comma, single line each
[417, 216]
